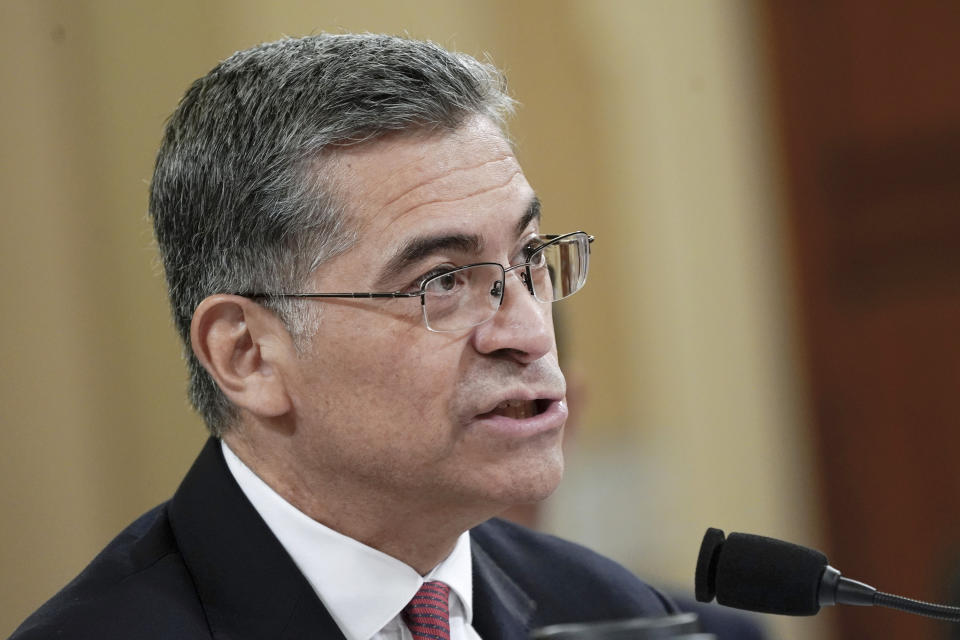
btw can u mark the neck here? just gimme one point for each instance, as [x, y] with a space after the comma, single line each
[417, 533]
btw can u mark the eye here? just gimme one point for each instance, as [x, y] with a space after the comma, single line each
[446, 282]
[439, 279]
[531, 245]
[533, 254]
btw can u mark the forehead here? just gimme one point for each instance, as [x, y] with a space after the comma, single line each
[411, 183]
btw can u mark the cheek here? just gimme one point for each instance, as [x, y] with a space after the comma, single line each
[423, 376]
[401, 372]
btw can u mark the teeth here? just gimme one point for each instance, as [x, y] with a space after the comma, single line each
[517, 409]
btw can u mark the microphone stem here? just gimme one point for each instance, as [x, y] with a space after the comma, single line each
[939, 611]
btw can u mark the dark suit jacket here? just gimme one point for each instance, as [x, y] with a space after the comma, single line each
[205, 565]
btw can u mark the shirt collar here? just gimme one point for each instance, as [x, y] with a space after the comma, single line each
[363, 589]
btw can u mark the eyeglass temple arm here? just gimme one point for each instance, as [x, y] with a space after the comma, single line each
[553, 236]
[394, 294]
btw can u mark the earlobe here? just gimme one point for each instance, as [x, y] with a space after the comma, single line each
[242, 346]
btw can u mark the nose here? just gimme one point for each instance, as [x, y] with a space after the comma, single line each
[521, 330]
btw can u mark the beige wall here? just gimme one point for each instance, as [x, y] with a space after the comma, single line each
[645, 123]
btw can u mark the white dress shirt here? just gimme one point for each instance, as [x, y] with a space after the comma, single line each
[363, 589]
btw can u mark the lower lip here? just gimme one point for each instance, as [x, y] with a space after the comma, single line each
[550, 420]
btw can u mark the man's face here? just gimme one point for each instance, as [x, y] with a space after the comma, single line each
[384, 407]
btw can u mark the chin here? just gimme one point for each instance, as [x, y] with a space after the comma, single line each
[534, 481]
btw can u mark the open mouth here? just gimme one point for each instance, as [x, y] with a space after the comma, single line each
[520, 409]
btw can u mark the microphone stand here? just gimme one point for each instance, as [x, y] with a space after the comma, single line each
[835, 589]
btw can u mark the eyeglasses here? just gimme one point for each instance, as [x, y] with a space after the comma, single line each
[468, 296]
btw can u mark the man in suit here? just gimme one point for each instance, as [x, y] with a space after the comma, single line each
[356, 266]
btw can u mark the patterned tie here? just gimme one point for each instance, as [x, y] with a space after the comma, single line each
[428, 614]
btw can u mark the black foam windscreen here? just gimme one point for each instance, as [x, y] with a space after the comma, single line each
[768, 575]
[705, 581]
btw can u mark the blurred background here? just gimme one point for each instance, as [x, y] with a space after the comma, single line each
[770, 341]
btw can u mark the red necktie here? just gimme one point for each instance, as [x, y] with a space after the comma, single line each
[428, 614]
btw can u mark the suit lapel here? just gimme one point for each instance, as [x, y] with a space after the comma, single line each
[501, 609]
[251, 589]
[248, 585]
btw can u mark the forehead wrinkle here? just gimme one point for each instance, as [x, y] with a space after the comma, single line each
[449, 172]
[485, 189]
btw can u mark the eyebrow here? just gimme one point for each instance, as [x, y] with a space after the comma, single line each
[423, 246]
[532, 213]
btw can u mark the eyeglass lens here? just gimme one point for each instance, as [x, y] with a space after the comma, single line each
[463, 298]
[468, 296]
[559, 269]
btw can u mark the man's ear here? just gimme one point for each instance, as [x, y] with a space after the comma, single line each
[244, 348]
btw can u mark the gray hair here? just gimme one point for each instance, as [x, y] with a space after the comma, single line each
[241, 198]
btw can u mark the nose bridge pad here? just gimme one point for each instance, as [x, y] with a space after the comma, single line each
[527, 281]
[496, 294]
[520, 271]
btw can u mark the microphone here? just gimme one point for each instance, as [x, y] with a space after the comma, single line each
[766, 575]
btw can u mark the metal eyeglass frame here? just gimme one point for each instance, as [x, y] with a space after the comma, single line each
[525, 278]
